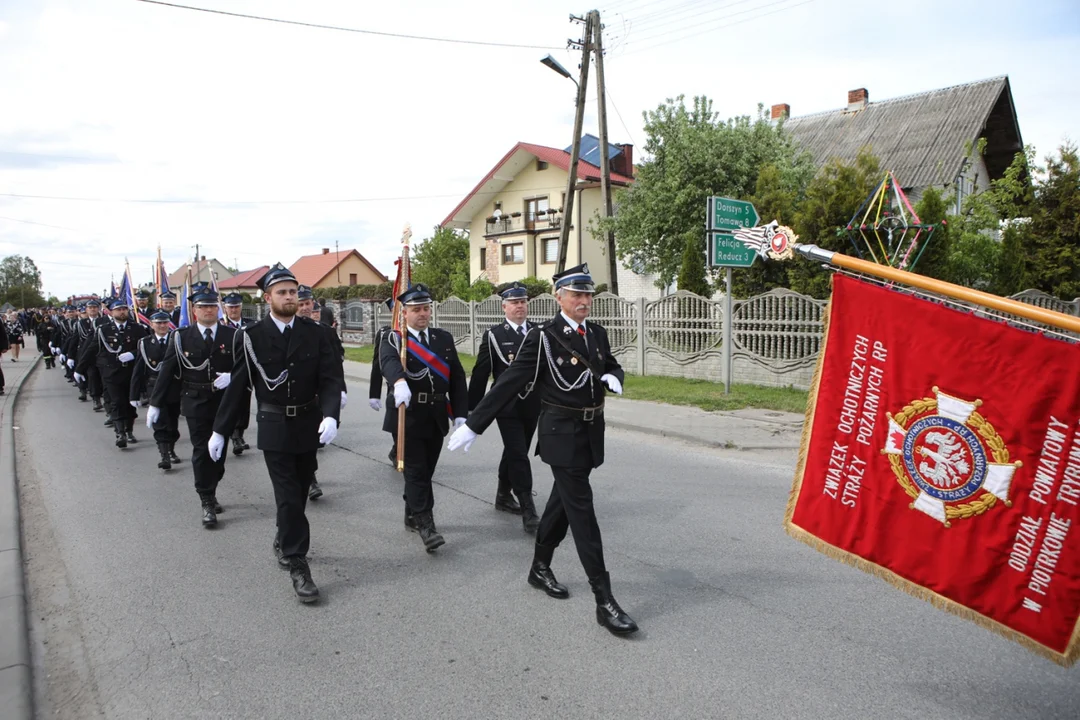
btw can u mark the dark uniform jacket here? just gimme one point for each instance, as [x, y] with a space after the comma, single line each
[148, 364]
[569, 435]
[188, 350]
[83, 333]
[427, 413]
[375, 390]
[176, 316]
[289, 414]
[106, 345]
[499, 345]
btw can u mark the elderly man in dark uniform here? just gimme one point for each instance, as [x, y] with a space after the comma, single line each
[289, 363]
[200, 359]
[431, 382]
[167, 303]
[142, 305]
[148, 363]
[113, 351]
[499, 345]
[234, 318]
[571, 363]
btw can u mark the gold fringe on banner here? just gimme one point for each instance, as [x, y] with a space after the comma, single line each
[1072, 651]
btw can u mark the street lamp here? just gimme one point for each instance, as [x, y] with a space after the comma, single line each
[554, 65]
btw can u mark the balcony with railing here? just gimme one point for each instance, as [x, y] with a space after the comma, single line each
[539, 221]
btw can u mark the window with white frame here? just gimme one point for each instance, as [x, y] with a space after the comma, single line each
[550, 248]
[513, 253]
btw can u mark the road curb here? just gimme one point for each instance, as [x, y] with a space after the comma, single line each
[696, 439]
[16, 678]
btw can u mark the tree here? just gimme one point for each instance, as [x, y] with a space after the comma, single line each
[933, 253]
[692, 155]
[692, 273]
[20, 282]
[832, 198]
[442, 263]
[1055, 226]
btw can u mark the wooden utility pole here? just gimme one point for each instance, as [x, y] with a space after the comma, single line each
[575, 148]
[605, 162]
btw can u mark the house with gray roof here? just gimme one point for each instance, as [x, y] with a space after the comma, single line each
[922, 138]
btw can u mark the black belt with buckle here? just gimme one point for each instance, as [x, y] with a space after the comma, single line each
[289, 410]
[586, 414]
[425, 398]
[198, 386]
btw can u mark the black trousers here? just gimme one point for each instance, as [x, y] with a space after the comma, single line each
[421, 457]
[2, 381]
[571, 506]
[207, 472]
[245, 414]
[515, 470]
[167, 428]
[122, 414]
[93, 382]
[291, 475]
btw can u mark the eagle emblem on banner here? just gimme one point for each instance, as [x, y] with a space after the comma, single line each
[771, 242]
[949, 458]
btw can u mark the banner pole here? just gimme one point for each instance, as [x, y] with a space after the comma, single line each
[1053, 318]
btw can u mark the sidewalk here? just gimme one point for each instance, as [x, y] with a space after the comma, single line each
[748, 429]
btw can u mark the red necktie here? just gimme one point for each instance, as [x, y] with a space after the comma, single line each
[581, 331]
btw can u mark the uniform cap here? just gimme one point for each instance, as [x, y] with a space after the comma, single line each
[203, 294]
[276, 274]
[418, 294]
[576, 278]
[160, 316]
[516, 291]
[233, 298]
[119, 303]
[303, 292]
[167, 295]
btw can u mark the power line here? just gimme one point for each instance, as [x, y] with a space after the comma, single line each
[621, 121]
[345, 29]
[651, 26]
[654, 34]
[719, 27]
[181, 201]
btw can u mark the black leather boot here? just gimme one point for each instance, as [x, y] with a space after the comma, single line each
[410, 522]
[305, 587]
[431, 537]
[209, 517]
[608, 612]
[504, 500]
[240, 441]
[173, 457]
[165, 463]
[217, 506]
[130, 426]
[109, 423]
[98, 407]
[237, 444]
[282, 561]
[82, 396]
[121, 441]
[540, 575]
[529, 519]
[314, 492]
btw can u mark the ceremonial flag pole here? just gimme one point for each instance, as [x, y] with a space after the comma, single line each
[957, 292]
[402, 283]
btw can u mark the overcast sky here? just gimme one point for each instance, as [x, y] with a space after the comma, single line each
[251, 128]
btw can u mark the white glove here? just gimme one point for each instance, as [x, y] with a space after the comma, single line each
[375, 404]
[152, 415]
[125, 357]
[52, 347]
[79, 378]
[344, 399]
[612, 382]
[63, 360]
[458, 422]
[402, 394]
[71, 363]
[327, 430]
[222, 380]
[216, 445]
[134, 403]
[463, 437]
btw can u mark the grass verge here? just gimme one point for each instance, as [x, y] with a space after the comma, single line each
[674, 391]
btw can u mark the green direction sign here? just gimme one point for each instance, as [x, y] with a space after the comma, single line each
[731, 214]
[726, 251]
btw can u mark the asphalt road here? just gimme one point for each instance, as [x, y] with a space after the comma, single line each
[138, 612]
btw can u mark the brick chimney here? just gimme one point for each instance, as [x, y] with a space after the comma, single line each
[326, 251]
[857, 99]
[624, 163]
[780, 112]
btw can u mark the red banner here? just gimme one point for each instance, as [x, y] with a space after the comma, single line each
[942, 453]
